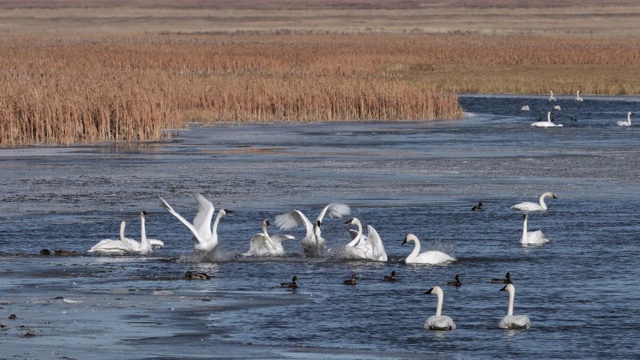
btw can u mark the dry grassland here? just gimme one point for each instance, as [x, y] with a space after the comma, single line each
[103, 70]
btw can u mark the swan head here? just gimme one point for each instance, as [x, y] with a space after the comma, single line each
[509, 288]
[225, 212]
[549, 195]
[143, 213]
[436, 290]
[266, 223]
[409, 237]
[353, 221]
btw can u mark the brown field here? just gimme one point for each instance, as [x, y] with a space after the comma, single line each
[104, 70]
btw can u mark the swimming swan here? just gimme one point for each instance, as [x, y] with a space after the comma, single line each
[626, 123]
[525, 108]
[511, 321]
[578, 98]
[546, 124]
[527, 206]
[431, 257]
[109, 246]
[263, 244]
[313, 243]
[365, 247]
[531, 237]
[144, 246]
[439, 321]
[551, 97]
[201, 229]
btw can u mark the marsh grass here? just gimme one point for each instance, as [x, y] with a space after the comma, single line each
[59, 90]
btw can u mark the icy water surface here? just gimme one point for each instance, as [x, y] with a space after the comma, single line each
[581, 291]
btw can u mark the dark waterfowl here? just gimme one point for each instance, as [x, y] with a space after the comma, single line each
[456, 282]
[65, 253]
[391, 277]
[196, 276]
[293, 284]
[506, 280]
[45, 252]
[477, 207]
[351, 281]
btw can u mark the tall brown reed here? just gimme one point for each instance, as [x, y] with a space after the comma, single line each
[70, 90]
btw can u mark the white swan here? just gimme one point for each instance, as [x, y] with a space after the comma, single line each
[109, 246]
[551, 97]
[263, 244]
[531, 237]
[365, 247]
[525, 108]
[511, 321]
[626, 123]
[136, 246]
[201, 229]
[557, 107]
[313, 243]
[546, 124]
[527, 206]
[439, 321]
[144, 246]
[431, 257]
[578, 98]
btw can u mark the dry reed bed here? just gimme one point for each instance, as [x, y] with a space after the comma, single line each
[69, 90]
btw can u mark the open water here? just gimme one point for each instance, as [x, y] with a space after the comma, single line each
[581, 291]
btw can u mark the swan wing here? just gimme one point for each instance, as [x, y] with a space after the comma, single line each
[292, 219]
[202, 221]
[536, 238]
[281, 238]
[527, 206]
[375, 243]
[515, 322]
[155, 243]
[259, 245]
[334, 210]
[184, 221]
[433, 257]
[442, 322]
[110, 246]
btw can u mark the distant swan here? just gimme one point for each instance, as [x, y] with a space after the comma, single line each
[527, 207]
[365, 247]
[109, 246]
[511, 321]
[431, 257]
[532, 237]
[551, 97]
[546, 124]
[201, 229]
[439, 321]
[263, 244]
[626, 123]
[525, 108]
[313, 243]
[578, 98]
[557, 107]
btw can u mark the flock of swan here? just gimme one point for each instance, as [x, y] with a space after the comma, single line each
[361, 246]
[550, 124]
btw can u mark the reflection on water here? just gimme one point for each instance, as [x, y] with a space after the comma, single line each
[418, 177]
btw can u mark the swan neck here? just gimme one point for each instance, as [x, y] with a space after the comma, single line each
[543, 205]
[549, 116]
[440, 301]
[524, 230]
[416, 250]
[356, 239]
[264, 230]
[512, 295]
[144, 242]
[122, 226]
[214, 230]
